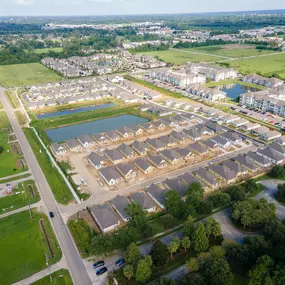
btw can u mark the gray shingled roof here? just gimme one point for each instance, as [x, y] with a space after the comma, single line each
[140, 146]
[72, 143]
[237, 168]
[121, 203]
[125, 168]
[271, 154]
[257, 158]
[105, 215]
[96, 159]
[170, 154]
[157, 192]
[189, 179]
[243, 160]
[198, 148]
[278, 148]
[143, 163]
[156, 159]
[223, 171]
[110, 173]
[113, 135]
[178, 185]
[114, 154]
[155, 143]
[143, 200]
[85, 138]
[206, 175]
[126, 150]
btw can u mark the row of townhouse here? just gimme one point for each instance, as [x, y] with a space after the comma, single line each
[113, 136]
[266, 100]
[214, 72]
[263, 81]
[179, 78]
[212, 94]
[112, 214]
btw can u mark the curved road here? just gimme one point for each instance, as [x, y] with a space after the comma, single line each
[74, 261]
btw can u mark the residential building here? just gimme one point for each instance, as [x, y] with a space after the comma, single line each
[144, 201]
[157, 160]
[198, 148]
[271, 135]
[140, 147]
[171, 156]
[157, 193]
[127, 170]
[258, 159]
[114, 155]
[126, 150]
[73, 144]
[206, 176]
[271, 155]
[243, 160]
[144, 165]
[58, 148]
[86, 141]
[105, 217]
[111, 175]
[120, 204]
[97, 160]
[224, 173]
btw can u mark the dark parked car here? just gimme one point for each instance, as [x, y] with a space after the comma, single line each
[98, 264]
[51, 214]
[120, 262]
[101, 271]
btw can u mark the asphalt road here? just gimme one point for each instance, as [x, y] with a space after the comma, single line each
[74, 261]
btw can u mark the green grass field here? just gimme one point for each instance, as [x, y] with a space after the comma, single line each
[60, 277]
[8, 159]
[16, 201]
[46, 50]
[23, 247]
[26, 74]
[231, 50]
[266, 65]
[178, 56]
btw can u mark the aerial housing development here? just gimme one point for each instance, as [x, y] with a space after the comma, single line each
[142, 148]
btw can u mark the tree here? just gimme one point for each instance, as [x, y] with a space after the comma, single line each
[174, 204]
[280, 195]
[251, 186]
[279, 275]
[132, 253]
[193, 264]
[277, 171]
[218, 272]
[192, 279]
[1, 149]
[254, 213]
[261, 271]
[205, 207]
[189, 228]
[200, 240]
[217, 251]
[143, 270]
[159, 253]
[212, 227]
[195, 190]
[220, 199]
[237, 193]
[185, 242]
[173, 246]
[168, 221]
[163, 281]
[203, 258]
[137, 216]
[128, 271]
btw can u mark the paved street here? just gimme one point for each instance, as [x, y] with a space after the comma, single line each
[269, 195]
[74, 261]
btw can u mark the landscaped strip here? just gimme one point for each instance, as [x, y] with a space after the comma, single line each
[12, 99]
[25, 192]
[57, 184]
[23, 247]
[60, 277]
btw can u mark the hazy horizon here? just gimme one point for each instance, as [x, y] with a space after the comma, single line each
[130, 7]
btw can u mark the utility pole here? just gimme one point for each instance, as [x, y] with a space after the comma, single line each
[28, 201]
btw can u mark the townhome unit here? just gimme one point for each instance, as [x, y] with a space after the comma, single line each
[179, 137]
[73, 144]
[246, 162]
[86, 141]
[113, 135]
[101, 138]
[157, 160]
[156, 144]
[193, 134]
[168, 141]
[114, 155]
[212, 94]
[58, 148]
[232, 137]
[185, 152]
[125, 132]
[157, 193]
[249, 126]
[278, 148]
[238, 169]
[105, 217]
[126, 150]
[98, 161]
[206, 176]
[224, 173]
[144, 201]
[220, 141]
[140, 147]
[127, 170]
[111, 175]
[120, 204]
[144, 165]
[258, 159]
[171, 156]
[214, 72]
[264, 81]
[271, 155]
[178, 185]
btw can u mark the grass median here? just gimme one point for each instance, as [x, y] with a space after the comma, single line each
[23, 246]
[22, 194]
[60, 277]
[57, 184]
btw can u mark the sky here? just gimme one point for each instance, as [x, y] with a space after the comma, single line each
[118, 7]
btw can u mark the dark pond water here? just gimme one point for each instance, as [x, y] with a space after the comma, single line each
[89, 128]
[74, 111]
[235, 90]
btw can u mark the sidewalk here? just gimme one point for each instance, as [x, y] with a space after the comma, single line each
[53, 268]
[15, 175]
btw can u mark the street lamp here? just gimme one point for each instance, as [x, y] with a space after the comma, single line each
[28, 201]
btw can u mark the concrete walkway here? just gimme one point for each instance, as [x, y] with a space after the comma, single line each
[53, 268]
[15, 175]
[36, 205]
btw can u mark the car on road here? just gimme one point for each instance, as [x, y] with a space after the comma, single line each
[98, 264]
[120, 262]
[51, 214]
[101, 271]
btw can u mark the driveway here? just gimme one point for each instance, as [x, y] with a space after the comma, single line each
[269, 195]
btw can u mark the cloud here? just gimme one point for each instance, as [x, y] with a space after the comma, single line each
[23, 2]
[106, 1]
